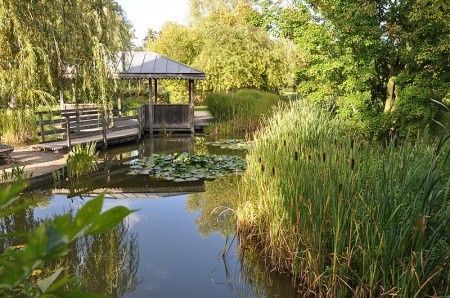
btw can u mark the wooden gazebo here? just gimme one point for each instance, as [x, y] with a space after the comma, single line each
[152, 67]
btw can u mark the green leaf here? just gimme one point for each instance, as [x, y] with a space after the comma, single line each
[109, 220]
[87, 214]
[48, 281]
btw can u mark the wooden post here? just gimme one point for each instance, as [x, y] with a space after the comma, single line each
[68, 141]
[191, 104]
[156, 91]
[119, 106]
[61, 101]
[150, 107]
[41, 126]
[139, 119]
[104, 128]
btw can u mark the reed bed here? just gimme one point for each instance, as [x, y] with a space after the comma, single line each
[343, 216]
[239, 112]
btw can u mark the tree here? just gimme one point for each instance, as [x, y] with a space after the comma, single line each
[226, 41]
[373, 62]
[41, 40]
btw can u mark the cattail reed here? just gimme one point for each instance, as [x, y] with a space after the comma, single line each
[346, 220]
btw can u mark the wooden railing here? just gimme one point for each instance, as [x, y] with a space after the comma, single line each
[72, 124]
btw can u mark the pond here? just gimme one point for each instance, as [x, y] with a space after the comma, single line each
[179, 243]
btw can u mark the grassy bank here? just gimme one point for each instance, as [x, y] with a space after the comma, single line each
[241, 111]
[345, 217]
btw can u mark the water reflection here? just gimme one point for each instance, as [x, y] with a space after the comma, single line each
[181, 242]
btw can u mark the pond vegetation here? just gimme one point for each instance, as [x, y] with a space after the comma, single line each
[184, 166]
[344, 216]
[233, 144]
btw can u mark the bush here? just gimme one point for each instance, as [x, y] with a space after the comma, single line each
[344, 216]
[244, 109]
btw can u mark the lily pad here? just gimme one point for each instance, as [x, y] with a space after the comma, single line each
[180, 167]
[233, 144]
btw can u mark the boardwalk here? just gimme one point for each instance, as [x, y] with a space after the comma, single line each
[114, 137]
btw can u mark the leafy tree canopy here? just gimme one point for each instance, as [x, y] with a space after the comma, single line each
[227, 41]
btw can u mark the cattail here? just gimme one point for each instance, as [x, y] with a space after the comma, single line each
[309, 156]
[295, 155]
[352, 164]
[284, 143]
[335, 142]
[259, 159]
[262, 168]
[273, 171]
[324, 157]
[352, 143]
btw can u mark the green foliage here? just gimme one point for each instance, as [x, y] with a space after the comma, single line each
[42, 40]
[82, 160]
[243, 110]
[47, 243]
[233, 144]
[180, 167]
[344, 216]
[350, 50]
[18, 126]
[16, 173]
[244, 55]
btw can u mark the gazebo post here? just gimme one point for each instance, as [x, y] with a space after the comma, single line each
[156, 91]
[191, 104]
[150, 107]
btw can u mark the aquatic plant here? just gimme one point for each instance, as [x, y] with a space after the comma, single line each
[16, 173]
[233, 144]
[187, 166]
[343, 216]
[82, 160]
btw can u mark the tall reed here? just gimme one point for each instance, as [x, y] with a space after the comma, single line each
[343, 216]
[240, 111]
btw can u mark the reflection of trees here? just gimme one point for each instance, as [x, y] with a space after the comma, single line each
[215, 206]
[108, 262]
[105, 263]
[21, 219]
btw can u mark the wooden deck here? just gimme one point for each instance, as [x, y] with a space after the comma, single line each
[114, 137]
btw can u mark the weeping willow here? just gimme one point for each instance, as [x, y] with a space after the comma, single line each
[53, 46]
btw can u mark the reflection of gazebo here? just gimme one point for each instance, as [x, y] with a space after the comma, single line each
[152, 66]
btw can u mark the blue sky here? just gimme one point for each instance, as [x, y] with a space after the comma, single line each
[144, 14]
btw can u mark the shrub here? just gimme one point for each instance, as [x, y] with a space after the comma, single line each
[243, 109]
[82, 160]
[346, 217]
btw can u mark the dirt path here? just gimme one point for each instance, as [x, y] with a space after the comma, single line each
[36, 163]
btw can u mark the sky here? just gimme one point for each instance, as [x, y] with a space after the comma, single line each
[144, 14]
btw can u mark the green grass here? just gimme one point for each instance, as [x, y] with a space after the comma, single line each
[241, 111]
[343, 216]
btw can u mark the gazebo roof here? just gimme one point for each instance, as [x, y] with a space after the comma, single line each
[150, 65]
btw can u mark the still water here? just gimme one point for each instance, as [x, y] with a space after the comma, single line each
[179, 243]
